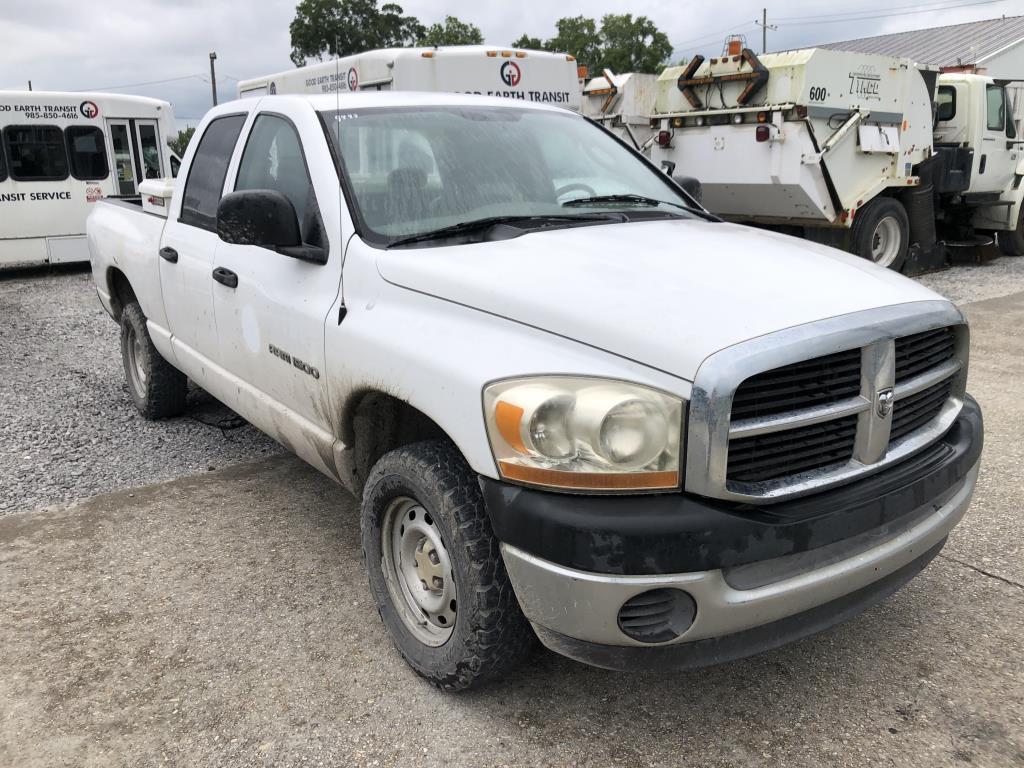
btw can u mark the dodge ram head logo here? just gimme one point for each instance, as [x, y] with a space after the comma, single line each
[883, 402]
[511, 74]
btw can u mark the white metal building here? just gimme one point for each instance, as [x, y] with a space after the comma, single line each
[997, 45]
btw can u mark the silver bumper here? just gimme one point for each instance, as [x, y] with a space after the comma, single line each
[584, 606]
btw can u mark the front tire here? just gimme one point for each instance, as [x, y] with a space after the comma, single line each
[435, 570]
[156, 387]
[881, 233]
[1011, 242]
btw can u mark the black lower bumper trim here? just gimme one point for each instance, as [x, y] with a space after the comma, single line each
[682, 533]
[719, 650]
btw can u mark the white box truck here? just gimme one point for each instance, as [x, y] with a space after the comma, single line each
[63, 151]
[839, 146]
[623, 104]
[537, 76]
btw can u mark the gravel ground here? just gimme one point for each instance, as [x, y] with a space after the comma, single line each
[67, 427]
[977, 282]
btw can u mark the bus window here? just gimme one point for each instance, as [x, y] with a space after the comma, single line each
[3, 165]
[87, 154]
[36, 153]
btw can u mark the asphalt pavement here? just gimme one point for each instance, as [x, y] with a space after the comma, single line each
[222, 618]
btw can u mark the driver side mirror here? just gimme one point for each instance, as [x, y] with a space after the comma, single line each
[264, 218]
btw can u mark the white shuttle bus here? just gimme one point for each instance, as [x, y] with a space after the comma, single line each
[60, 152]
[537, 76]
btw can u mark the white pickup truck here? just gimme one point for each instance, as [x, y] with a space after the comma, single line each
[574, 405]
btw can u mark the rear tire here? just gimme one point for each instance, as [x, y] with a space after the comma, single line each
[881, 233]
[1011, 241]
[156, 387]
[435, 570]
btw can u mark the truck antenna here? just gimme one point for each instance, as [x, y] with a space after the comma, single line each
[213, 77]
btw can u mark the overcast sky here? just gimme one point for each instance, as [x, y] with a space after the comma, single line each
[72, 45]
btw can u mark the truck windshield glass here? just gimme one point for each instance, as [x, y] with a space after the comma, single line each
[419, 169]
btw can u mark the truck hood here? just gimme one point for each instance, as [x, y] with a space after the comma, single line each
[665, 293]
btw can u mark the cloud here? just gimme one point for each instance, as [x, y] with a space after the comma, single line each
[65, 45]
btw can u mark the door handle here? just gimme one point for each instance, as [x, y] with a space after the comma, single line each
[169, 254]
[225, 277]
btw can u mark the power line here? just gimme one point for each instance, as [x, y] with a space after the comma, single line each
[880, 12]
[139, 85]
[872, 13]
[919, 9]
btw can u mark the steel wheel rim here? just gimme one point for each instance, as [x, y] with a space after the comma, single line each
[885, 242]
[135, 366]
[418, 572]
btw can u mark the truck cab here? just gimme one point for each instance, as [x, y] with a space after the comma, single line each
[974, 115]
[573, 404]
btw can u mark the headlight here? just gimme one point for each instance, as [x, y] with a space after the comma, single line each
[577, 433]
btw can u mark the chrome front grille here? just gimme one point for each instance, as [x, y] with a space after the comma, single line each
[799, 410]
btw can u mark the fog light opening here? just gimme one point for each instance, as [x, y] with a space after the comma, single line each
[657, 616]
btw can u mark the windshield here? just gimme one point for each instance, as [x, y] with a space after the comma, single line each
[414, 170]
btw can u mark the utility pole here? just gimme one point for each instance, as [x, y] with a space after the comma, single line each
[213, 77]
[765, 26]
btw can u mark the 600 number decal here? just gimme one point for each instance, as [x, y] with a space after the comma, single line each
[817, 93]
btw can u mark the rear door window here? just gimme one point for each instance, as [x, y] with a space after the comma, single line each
[87, 152]
[945, 102]
[36, 152]
[207, 171]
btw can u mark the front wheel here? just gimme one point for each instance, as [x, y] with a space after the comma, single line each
[435, 570]
[1011, 241]
[881, 233]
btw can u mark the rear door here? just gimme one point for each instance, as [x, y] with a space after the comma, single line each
[190, 243]
[271, 324]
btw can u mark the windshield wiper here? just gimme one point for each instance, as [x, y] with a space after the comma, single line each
[629, 198]
[482, 225]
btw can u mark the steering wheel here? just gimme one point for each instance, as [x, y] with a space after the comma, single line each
[575, 186]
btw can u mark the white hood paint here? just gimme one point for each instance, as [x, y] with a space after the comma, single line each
[664, 293]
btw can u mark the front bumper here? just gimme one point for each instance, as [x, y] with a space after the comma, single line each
[894, 523]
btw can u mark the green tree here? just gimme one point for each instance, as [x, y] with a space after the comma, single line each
[180, 142]
[577, 35]
[633, 45]
[452, 32]
[344, 27]
[525, 41]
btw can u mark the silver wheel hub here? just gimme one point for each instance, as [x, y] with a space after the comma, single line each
[136, 354]
[885, 242]
[418, 572]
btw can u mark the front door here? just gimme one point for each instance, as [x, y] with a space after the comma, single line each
[271, 322]
[135, 147]
[125, 176]
[998, 160]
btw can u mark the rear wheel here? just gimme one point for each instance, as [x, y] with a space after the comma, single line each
[156, 387]
[881, 233]
[435, 569]
[1011, 242]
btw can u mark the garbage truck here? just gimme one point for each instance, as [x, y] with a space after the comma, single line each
[891, 160]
